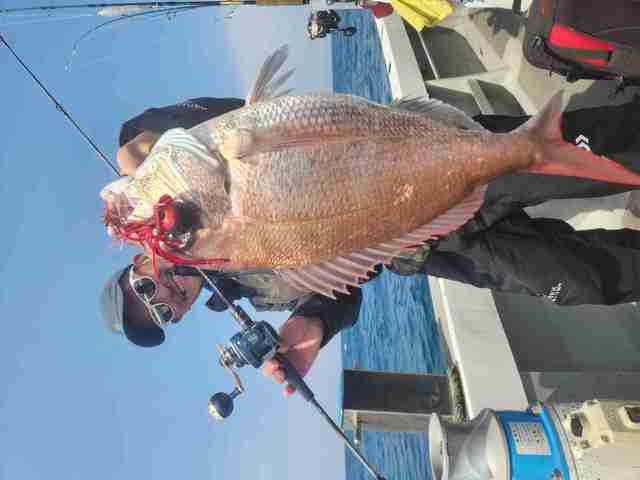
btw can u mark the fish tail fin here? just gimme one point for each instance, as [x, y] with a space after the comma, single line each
[558, 157]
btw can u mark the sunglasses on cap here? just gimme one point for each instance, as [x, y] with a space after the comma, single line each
[146, 289]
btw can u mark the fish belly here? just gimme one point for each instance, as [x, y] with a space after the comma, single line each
[302, 207]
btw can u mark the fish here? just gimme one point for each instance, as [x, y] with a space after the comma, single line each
[322, 188]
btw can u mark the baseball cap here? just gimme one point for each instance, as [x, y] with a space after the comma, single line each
[124, 313]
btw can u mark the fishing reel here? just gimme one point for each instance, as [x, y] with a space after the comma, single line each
[254, 345]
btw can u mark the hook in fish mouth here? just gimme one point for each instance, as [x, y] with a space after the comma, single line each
[185, 240]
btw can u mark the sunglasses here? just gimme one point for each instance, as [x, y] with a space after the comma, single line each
[146, 289]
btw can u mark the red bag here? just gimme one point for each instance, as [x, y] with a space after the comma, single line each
[583, 39]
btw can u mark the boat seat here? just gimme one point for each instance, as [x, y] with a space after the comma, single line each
[494, 99]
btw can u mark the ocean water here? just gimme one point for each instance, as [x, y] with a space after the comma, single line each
[396, 330]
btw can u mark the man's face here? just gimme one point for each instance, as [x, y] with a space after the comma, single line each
[178, 291]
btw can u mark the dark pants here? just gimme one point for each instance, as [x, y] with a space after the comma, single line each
[504, 249]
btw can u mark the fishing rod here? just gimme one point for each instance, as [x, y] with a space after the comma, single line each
[137, 14]
[60, 108]
[118, 9]
[113, 8]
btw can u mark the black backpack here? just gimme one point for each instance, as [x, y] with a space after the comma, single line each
[585, 39]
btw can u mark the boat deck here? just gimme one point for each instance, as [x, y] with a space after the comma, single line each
[511, 349]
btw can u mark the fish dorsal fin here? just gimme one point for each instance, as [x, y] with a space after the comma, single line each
[271, 90]
[351, 270]
[438, 111]
[266, 85]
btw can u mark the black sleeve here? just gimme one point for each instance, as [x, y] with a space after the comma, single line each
[183, 115]
[335, 315]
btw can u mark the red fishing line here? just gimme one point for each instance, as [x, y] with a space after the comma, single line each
[155, 233]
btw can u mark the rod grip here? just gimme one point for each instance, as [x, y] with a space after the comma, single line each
[292, 377]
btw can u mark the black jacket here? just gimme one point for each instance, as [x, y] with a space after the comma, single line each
[182, 115]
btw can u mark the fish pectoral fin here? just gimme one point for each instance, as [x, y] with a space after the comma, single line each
[438, 111]
[244, 144]
[267, 141]
[337, 274]
[266, 83]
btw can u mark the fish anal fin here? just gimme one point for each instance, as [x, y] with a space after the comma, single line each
[337, 274]
[324, 278]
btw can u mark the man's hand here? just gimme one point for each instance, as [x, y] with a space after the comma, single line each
[302, 337]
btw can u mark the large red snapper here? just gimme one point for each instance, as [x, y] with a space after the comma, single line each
[323, 187]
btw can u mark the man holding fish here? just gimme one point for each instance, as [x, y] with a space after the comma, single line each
[299, 199]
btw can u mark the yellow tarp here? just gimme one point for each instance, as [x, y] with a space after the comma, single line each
[422, 13]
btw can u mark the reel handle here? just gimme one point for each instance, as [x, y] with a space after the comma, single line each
[292, 376]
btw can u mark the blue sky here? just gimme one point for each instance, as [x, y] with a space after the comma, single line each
[75, 401]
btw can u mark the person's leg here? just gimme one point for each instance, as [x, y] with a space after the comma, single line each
[543, 257]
